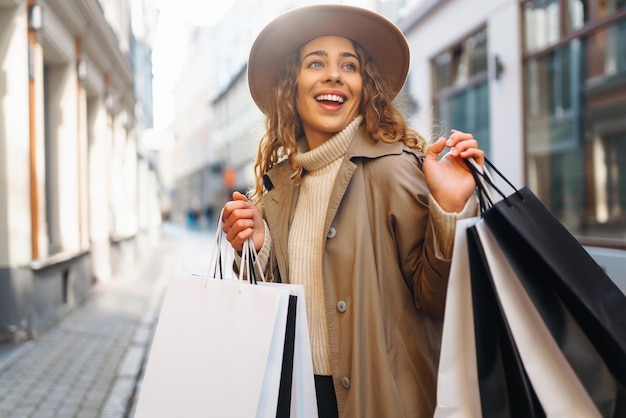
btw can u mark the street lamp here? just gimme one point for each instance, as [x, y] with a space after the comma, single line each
[81, 69]
[35, 17]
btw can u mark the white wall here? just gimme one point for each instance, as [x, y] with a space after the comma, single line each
[505, 94]
[99, 197]
[14, 140]
[63, 129]
[446, 26]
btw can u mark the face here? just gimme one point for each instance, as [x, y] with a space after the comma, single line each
[329, 87]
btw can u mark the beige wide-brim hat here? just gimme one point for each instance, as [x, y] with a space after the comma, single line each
[380, 38]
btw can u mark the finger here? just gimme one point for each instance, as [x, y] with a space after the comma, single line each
[236, 225]
[456, 137]
[463, 146]
[236, 242]
[476, 153]
[436, 148]
[239, 218]
[231, 206]
[239, 196]
[238, 237]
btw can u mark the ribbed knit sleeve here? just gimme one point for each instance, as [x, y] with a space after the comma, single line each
[444, 225]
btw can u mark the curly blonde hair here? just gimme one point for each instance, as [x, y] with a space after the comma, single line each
[283, 127]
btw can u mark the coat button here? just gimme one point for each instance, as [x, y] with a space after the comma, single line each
[345, 382]
[332, 232]
[342, 306]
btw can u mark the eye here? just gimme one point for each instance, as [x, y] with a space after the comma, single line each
[350, 66]
[315, 64]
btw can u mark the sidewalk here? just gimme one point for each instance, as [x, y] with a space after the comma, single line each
[91, 363]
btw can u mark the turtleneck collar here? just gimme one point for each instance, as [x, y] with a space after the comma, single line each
[329, 151]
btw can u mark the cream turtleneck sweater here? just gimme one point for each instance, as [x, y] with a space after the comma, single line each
[306, 236]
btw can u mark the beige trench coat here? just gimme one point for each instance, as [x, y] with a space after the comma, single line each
[384, 287]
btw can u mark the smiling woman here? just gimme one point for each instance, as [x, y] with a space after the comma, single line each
[351, 203]
[329, 87]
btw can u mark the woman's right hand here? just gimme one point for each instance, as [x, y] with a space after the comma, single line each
[242, 220]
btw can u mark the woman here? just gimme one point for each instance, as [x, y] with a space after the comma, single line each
[351, 203]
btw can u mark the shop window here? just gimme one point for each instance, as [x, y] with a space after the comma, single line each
[575, 132]
[461, 89]
[575, 17]
[608, 7]
[51, 201]
[607, 53]
[547, 21]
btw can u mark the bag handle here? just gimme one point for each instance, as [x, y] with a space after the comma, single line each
[485, 183]
[249, 257]
[250, 260]
[215, 266]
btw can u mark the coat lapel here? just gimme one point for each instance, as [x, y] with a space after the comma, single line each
[360, 147]
[278, 204]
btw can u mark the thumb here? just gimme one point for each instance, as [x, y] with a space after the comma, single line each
[435, 149]
[239, 196]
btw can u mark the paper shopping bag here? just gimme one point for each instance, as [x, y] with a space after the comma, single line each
[557, 386]
[457, 376]
[530, 234]
[504, 387]
[303, 397]
[297, 395]
[583, 308]
[576, 345]
[217, 350]
[283, 408]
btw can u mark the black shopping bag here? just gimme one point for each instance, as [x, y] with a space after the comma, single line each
[504, 387]
[581, 306]
[283, 409]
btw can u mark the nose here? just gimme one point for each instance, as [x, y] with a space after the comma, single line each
[333, 75]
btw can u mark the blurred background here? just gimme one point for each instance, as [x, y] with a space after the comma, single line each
[118, 117]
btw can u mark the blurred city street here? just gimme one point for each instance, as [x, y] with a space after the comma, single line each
[90, 364]
[125, 125]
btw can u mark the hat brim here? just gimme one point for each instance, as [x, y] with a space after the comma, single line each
[380, 38]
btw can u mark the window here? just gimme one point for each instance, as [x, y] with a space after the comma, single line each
[575, 99]
[608, 7]
[546, 21]
[461, 88]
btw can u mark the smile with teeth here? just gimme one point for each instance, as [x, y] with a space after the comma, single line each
[329, 98]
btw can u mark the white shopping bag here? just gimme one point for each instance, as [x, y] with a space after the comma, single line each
[457, 377]
[303, 396]
[217, 350]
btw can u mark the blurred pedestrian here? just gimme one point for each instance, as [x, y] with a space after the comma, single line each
[353, 204]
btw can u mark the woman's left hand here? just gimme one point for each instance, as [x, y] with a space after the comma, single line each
[449, 179]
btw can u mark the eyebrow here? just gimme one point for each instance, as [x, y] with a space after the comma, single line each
[325, 54]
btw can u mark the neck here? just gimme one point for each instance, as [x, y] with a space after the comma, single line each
[315, 139]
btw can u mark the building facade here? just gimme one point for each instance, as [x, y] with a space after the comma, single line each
[70, 173]
[217, 125]
[542, 85]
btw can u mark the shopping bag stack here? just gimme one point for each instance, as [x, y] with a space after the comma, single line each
[545, 325]
[229, 347]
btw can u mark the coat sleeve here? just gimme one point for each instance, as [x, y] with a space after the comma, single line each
[423, 267]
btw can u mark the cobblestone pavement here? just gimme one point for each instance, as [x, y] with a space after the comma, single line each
[91, 363]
